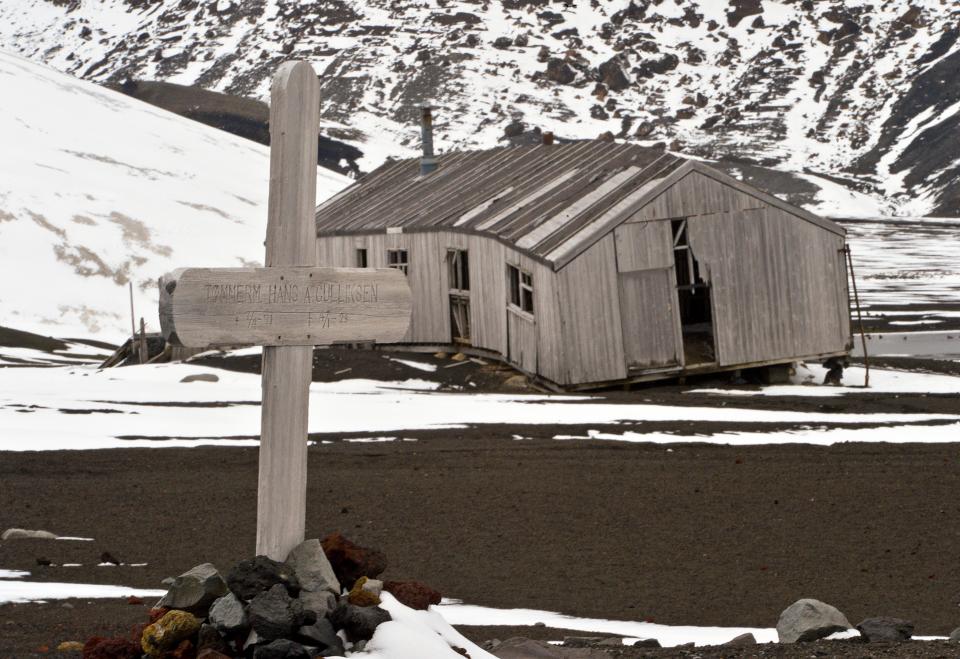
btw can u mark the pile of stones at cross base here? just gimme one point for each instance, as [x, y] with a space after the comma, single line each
[320, 602]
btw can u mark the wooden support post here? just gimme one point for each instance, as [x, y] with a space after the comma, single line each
[291, 240]
[144, 353]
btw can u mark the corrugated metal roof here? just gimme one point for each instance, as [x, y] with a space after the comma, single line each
[548, 201]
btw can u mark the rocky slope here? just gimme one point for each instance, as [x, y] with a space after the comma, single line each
[865, 94]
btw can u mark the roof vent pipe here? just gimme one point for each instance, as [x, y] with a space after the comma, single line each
[547, 138]
[428, 163]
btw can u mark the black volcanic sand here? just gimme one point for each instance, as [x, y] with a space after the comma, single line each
[686, 534]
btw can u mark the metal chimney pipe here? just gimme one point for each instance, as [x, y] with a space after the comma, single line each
[547, 138]
[428, 163]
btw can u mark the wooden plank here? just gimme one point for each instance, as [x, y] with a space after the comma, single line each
[282, 479]
[644, 246]
[649, 314]
[592, 330]
[283, 306]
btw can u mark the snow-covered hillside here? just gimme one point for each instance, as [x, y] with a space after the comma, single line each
[866, 92]
[97, 190]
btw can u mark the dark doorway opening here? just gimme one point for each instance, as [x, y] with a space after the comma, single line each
[693, 293]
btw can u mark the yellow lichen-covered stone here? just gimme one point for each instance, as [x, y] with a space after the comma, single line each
[70, 646]
[360, 596]
[167, 632]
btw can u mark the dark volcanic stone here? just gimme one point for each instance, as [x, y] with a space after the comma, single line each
[503, 43]
[281, 649]
[251, 577]
[358, 622]
[739, 9]
[414, 594]
[322, 636]
[612, 75]
[885, 629]
[210, 639]
[274, 614]
[560, 72]
[350, 561]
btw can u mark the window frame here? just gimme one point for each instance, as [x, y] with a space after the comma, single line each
[395, 261]
[520, 294]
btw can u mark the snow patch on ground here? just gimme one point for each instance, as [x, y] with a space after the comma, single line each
[808, 378]
[85, 408]
[457, 613]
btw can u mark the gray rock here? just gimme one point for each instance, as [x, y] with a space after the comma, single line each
[646, 643]
[313, 569]
[195, 590]
[581, 641]
[742, 640]
[227, 614]
[281, 649]
[358, 622]
[253, 638]
[200, 377]
[27, 534]
[373, 586]
[885, 629]
[322, 636]
[808, 620]
[274, 614]
[321, 603]
[955, 634]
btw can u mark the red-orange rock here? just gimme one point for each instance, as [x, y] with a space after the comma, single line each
[350, 561]
[98, 647]
[414, 594]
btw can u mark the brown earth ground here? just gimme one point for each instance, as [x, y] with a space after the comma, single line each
[683, 534]
[702, 535]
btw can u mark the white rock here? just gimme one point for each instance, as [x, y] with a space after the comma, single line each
[808, 620]
[26, 534]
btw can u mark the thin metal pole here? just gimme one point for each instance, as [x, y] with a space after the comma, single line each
[863, 338]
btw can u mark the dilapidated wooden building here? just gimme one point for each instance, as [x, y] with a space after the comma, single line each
[594, 263]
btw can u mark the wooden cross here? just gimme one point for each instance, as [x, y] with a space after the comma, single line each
[288, 307]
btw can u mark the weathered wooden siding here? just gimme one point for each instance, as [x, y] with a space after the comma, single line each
[651, 325]
[774, 285]
[488, 286]
[694, 195]
[429, 283]
[644, 246]
[591, 327]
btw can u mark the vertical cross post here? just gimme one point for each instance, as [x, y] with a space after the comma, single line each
[291, 241]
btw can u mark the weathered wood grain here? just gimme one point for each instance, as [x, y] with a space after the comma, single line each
[280, 306]
[282, 479]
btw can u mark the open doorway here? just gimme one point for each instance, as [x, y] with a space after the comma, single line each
[696, 311]
[458, 271]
